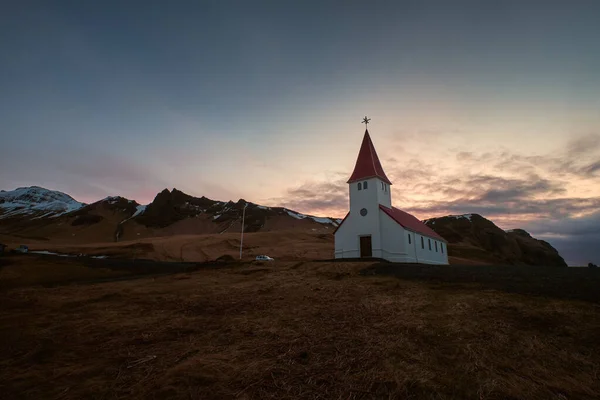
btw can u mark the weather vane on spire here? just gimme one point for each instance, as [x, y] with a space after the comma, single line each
[366, 121]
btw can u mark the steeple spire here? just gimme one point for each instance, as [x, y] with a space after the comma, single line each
[367, 163]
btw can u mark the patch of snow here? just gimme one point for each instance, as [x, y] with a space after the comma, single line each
[43, 215]
[263, 207]
[216, 216]
[50, 253]
[467, 216]
[294, 214]
[139, 210]
[45, 252]
[322, 220]
[111, 199]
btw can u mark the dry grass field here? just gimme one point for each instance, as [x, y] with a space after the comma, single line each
[297, 329]
[283, 245]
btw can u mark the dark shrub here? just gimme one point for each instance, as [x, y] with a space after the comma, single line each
[87, 220]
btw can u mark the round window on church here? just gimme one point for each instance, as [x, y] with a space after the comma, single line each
[363, 211]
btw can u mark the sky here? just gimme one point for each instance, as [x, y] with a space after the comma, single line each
[477, 107]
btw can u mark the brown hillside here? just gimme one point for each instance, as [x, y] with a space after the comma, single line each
[96, 222]
[282, 245]
[475, 237]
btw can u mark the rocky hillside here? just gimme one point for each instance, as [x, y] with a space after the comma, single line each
[93, 222]
[49, 215]
[171, 207]
[474, 237]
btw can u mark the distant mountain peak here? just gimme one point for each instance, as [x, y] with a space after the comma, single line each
[36, 201]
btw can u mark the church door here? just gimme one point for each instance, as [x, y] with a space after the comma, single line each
[365, 246]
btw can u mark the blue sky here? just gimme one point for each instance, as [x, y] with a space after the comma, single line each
[480, 106]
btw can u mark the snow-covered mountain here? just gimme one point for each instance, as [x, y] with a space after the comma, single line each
[36, 202]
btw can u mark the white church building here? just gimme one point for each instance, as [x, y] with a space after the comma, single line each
[373, 228]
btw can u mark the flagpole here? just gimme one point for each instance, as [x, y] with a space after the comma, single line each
[242, 239]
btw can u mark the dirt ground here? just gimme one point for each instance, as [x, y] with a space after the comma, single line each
[298, 329]
[283, 245]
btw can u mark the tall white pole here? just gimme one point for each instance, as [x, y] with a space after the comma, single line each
[242, 239]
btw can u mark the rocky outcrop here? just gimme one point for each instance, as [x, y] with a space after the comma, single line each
[169, 207]
[472, 236]
[535, 251]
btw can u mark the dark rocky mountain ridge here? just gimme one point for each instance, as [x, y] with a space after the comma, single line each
[475, 237]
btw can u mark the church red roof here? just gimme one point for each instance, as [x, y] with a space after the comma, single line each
[410, 222]
[367, 163]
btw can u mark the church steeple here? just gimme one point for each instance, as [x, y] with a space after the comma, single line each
[367, 163]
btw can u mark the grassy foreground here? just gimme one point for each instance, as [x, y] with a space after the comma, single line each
[299, 330]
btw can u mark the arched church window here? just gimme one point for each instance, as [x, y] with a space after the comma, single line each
[429, 244]
[436, 247]
[422, 242]
[381, 185]
[442, 247]
[365, 186]
[409, 238]
[359, 186]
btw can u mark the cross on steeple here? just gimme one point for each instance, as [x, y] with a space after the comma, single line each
[366, 121]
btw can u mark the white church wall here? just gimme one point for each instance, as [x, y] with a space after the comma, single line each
[410, 245]
[427, 256]
[347, 237]
[389, 240]
[364, 197]
[384, 193]
[343, 241]
[443, 255]
[392, 239]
